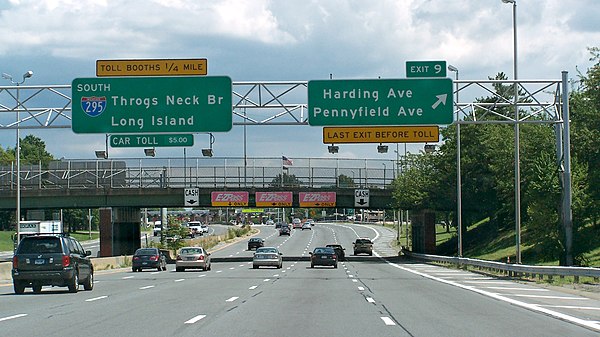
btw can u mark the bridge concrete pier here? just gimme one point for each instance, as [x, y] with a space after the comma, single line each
[119, 231]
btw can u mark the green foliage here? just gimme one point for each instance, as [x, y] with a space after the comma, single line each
[289, 180]
[345, 182]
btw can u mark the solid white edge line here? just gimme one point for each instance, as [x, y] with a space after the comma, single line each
[195, 319]
[387, 320]
[12, 317]
[95, 298]
[532, 307]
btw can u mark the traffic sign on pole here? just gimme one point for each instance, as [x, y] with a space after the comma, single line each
[151, 104]
[191, 197]
[361, 198]
[381, 134]
[380, 102]
[154, 140]
[425, 68]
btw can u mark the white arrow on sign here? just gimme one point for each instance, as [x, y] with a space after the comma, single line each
[440, 99]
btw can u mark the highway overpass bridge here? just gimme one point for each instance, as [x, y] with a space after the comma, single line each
[162, 182]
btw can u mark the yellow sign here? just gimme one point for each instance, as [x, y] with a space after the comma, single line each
[164, 67]
[381, 134]
[253, 210]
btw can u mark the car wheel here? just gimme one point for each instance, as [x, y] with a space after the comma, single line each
[89, 282]
[19, 286]
[164, 267]
[74, 283]
[177, 269]
[37, 288]
[371, 254]
[159, 268]
[255, 267]
[209, 266]
[335, 266]
[312, 265]
[133, 269]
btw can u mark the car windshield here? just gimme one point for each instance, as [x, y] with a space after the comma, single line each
[363, 241]
[255, 239]
[266, 250]
[146, 251]
[324, 250]
[41, 245]
[190, 251]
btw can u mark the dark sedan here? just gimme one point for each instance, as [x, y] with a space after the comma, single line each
[323, 256]
[255, 243]
[339, 251]
[285, 230]
[148, 258]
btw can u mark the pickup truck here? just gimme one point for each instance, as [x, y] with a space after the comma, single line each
[196, 227]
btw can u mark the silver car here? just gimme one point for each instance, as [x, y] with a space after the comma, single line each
[192, 257]
[267, 257]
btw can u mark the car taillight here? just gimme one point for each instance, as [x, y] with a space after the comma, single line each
[154, 258]
[15, 262]
[178, 257]
[201, 257]
[135, 258]
[66, 260]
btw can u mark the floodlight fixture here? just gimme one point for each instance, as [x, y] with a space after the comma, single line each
[207, 152]
[101, 155]
[150, 152]
[333, 148]
[382, 148]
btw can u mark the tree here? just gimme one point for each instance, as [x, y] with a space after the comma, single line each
[289, 180]
[346, 182]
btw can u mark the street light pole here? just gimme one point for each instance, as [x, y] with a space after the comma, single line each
[517, 140]
[27, 75]
[458, 173]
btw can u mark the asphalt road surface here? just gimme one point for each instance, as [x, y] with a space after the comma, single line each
[366, 296]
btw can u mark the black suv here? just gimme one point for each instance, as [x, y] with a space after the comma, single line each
[54, 260]
[255, 243]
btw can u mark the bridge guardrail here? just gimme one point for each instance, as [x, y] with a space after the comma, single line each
[512, 270]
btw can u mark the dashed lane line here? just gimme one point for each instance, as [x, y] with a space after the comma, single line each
[12, 317]
[194, 319]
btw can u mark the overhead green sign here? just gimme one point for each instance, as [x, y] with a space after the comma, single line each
[151, 104]
[425, 68]
[380, 102]
[155, 140]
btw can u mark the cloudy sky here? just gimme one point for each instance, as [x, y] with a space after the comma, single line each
[258, 40]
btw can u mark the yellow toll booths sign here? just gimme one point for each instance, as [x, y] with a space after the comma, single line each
[146, 67]
[381, 134]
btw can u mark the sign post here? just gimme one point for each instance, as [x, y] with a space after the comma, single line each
[380, 102]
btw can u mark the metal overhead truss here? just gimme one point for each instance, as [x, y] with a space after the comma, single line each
[285, 103]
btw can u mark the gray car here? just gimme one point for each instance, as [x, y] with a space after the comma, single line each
[267, 257]
[192, 257]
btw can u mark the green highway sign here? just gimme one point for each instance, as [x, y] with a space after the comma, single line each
[425, 68]
[153, 140]
[380, 102]
[151, 104]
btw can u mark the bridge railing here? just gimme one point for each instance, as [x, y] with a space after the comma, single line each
[230, 172]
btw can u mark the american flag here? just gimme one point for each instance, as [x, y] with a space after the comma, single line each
[287, 161]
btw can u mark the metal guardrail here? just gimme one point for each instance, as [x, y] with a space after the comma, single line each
[512, 270]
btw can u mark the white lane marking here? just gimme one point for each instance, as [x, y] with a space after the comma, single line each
[361, 288]
[231, 299]
[568, 307]
[354, 280]
[288, 268]
[548, 297]
[489, 282]
[370, 300]
[513, 288]
[283, 271]
[195, 319]
[267, 280]
[241, 265]
[154, 273]
[146, 287]
[350, 276]
[12, 317]
[201, 275]
[533, 307]
[127, 277]
[232, 268]
[219, 271]
[388, 321]
[179, 280]
[276, 275]
[96, 298]
[253, 287]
